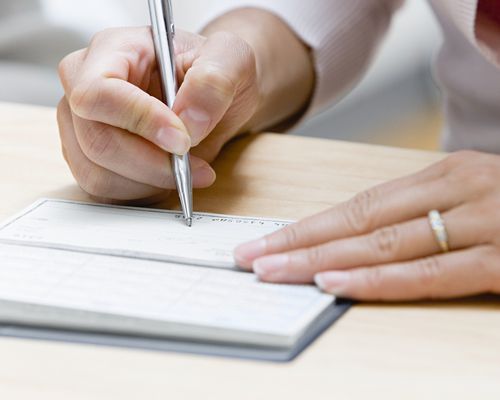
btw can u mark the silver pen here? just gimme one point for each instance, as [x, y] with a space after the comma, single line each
[163, 27]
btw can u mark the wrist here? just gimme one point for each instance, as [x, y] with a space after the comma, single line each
[285, 70]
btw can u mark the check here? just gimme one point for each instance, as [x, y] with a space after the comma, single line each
[100, 268]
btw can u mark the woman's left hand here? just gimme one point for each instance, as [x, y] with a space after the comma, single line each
[380, 245]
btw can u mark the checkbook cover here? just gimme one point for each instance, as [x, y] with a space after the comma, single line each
[321, 324]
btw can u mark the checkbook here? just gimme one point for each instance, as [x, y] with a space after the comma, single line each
[140, 278]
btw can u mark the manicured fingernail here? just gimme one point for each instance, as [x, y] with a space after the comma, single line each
[247, 252]
[173, 140]
[197, 123]
[270, 265]
[334, 282]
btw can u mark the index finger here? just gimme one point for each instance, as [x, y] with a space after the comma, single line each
[391, 203]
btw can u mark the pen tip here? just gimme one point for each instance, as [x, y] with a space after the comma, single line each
[189, 222]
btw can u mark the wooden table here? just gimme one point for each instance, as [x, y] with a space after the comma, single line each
[446, 350]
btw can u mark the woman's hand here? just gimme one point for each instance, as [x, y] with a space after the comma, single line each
[380, 246]
[117, 136]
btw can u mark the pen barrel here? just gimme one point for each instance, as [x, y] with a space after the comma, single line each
[182, 170]
[163, 31]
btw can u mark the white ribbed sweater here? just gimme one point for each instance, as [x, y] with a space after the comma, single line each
[344, 35]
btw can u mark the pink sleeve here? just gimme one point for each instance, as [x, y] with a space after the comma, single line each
[461, 12]
[343, 35]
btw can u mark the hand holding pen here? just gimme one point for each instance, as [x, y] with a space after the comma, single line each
[117, 133]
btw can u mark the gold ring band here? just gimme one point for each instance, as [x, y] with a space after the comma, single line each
[439, 229]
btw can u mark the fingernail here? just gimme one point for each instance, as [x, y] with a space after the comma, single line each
[173, 140]
[197, 123]
[247, 252]
[334, 282]
[203, 176]
[197, 163]
[270, 265]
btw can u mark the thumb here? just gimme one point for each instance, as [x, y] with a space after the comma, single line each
[224, 67]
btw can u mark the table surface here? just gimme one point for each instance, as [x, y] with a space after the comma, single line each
[401, 351]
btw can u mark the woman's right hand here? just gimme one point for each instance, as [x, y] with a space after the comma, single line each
[117, 136]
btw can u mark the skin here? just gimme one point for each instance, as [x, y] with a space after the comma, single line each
[237, 77]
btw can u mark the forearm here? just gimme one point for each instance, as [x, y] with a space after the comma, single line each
[284, 64]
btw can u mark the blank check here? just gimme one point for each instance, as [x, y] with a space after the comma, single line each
[142, 272]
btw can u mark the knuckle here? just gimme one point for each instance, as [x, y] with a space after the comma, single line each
[72, 60]
[450, 162]
[386, 242]
[213, 77]
[428, 271]
[243, 72]
[315, 256]
[290, 236]
[433, 171]
[486, 175]
[373, 280]
[122, 33]
[84, 98]
[488, 268]
[486, 211]
[135, 42]
[249, 61]
[92, 181]
[136, 48]
[242, 48]
[228, 38]
[62, 68]
[61, 111]
[141, 119]
[478, 176]
[64, 120]
[460, 157]
[360, 211]
[97, 37]
[65, 66]
[103, 35]
[99, 143]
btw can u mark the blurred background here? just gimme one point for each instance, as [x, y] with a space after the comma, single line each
[397, 103]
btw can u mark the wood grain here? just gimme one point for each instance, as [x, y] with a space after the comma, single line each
[401, 351]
